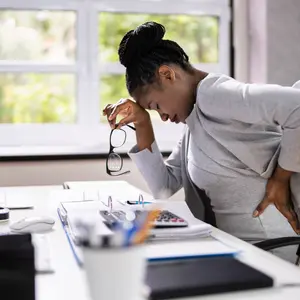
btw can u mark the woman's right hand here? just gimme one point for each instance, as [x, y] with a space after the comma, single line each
[130, 111]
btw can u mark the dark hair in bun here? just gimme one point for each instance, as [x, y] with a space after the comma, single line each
[143, 50]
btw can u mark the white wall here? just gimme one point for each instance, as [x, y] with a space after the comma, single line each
[283, 31]
[267, 32]
[57, 172]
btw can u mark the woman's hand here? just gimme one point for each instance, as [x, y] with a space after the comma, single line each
[278, 193]
[129, 110]
[132, 113]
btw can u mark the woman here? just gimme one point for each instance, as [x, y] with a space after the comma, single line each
[241, 144]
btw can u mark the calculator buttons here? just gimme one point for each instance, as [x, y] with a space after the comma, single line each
[166, 219]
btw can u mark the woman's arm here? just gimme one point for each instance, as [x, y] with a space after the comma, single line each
[163, 179]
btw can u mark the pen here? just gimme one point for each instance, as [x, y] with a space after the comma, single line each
[143, 233]
[134, 202]
[132, 228]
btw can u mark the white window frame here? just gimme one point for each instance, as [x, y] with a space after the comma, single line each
[88, 135]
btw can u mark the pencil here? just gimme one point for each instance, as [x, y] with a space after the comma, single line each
[143, 233]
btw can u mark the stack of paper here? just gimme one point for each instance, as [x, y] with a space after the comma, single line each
[192, 231]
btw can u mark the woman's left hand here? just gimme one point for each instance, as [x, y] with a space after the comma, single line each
[278, 193]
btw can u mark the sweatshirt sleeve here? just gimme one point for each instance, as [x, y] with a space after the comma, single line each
[163, 178]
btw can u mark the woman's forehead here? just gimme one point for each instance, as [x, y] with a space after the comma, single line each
[142, 96]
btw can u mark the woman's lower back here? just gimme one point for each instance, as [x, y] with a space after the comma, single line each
[234, 200]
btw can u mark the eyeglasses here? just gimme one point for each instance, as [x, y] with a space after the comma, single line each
[114, 162]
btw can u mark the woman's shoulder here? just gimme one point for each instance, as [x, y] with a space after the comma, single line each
[217, 87]
[213, 81]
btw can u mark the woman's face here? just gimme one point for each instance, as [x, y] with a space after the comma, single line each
[173, 97]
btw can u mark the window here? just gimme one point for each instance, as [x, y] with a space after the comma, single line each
[59, 66]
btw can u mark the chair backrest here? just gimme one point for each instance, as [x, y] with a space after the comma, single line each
[297, 84]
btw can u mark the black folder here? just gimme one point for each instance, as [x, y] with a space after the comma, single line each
[17, 271]
[202, 276]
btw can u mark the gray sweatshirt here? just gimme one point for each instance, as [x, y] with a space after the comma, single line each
[234, 138]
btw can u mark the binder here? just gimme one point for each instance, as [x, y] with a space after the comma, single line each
[175, 250]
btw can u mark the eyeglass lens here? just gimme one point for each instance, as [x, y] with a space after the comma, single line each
[114, 162]
[118, 138]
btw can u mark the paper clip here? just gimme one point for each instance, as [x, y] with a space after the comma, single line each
[109, 203]
[141, 200]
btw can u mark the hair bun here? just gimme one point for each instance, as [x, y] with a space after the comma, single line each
[139, 42]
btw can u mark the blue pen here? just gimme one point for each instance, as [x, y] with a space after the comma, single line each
[133, 202]
[129, 233]
[134, 228]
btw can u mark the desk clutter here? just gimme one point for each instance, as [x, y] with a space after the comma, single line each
[112, 237]
[108, 213]
[147, 249]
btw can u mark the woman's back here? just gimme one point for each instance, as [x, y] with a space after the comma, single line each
[232, 145]
[231, 160]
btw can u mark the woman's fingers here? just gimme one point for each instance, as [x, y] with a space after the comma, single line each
[107, 110]
[111, 111]
[123, 108]
[261, 207]
[127, 109]
[118, 108]
[291, 216]
[125, 121]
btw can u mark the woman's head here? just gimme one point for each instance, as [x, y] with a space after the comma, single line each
[158, 73]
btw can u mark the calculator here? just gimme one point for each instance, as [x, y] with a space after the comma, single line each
[165, 219]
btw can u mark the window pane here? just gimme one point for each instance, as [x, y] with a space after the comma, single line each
[197, 35]
[37, 98]
[112, 89]
[47, 36]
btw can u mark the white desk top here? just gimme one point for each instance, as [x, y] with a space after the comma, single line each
[68, 281]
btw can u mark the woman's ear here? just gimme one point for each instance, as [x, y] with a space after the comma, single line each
[166, 73]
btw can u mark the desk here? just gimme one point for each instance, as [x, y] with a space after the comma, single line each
[68, 280]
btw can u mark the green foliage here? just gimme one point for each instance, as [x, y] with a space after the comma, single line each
[37, 98]
[197, 35]
[50, 37]
[37, 36]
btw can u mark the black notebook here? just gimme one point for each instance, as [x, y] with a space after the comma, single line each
[209, 275]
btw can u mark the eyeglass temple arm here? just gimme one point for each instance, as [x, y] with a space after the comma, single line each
[131, 127]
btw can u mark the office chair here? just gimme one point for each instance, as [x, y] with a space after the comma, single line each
[271, 244]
